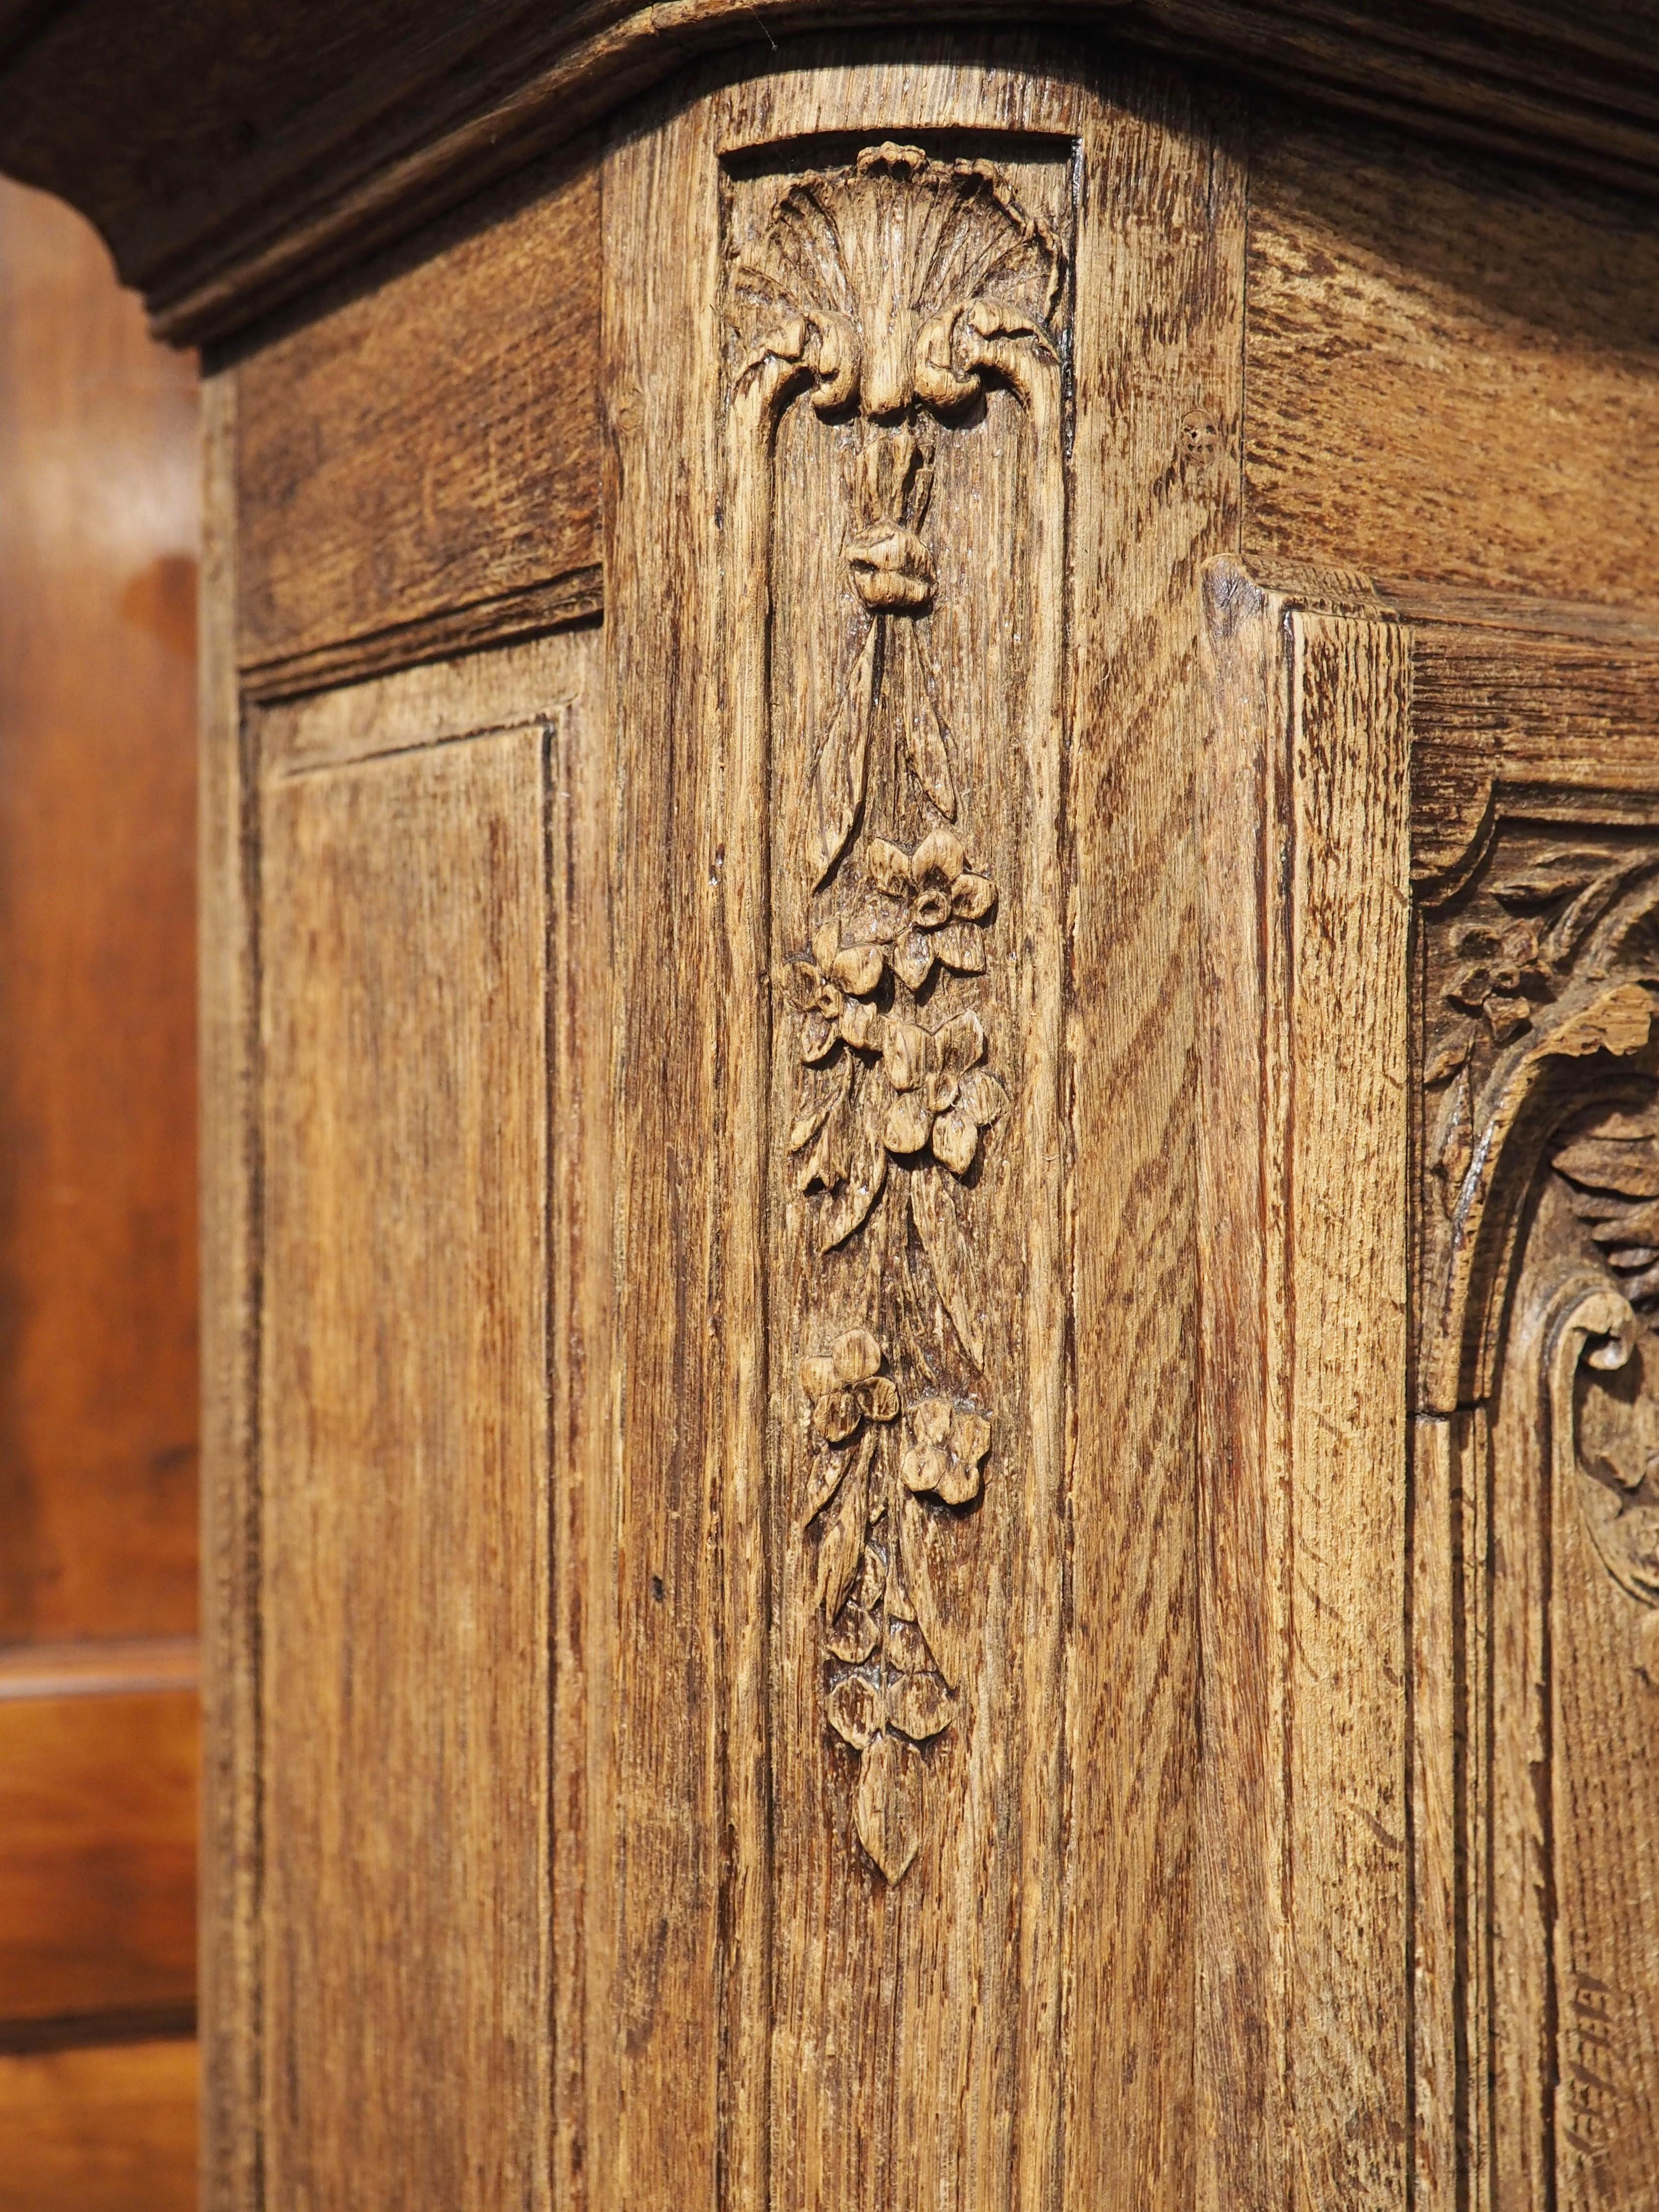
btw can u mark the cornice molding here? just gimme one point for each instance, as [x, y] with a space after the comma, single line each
[234, 159]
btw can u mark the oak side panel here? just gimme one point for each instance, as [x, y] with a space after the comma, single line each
[1453, 367]
[102, 2130]
[404, 1605]
[98, 1807]
[432, 444]
[98, 540]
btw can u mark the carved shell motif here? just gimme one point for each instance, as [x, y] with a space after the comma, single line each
[880, 263]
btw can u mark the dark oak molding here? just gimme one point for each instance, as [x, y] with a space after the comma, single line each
[233, 155]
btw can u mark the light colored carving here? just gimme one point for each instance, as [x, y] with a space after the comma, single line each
[1543, 985]
[896, 291]
[1604, 1382]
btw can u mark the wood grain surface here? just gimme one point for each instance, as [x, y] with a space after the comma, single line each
[419, 469]
[859, 2006]
[821, 1589]
[230, 1996]
[1159, 407]
[234, 161]
[1453, 368]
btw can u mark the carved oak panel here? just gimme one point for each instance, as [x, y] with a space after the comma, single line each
[1536, 1520]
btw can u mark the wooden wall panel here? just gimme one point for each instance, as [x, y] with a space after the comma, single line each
[105, 2130]
[98, 530]
[98, 1808]
[1453, 368]
[405, 1454]
[427, 455]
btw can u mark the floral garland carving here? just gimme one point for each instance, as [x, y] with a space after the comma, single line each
[894, 291]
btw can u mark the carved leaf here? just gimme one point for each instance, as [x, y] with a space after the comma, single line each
[934, 1209]
[888, 1808]
[925, 737]
[826, 1164]
[838, 775]
[1455, 1141]
[865, 1173]
[1560, 874]
[916, 1568]
[822, 1482]
[907, 1649]
[1610, 1431]
[962, 946]
[811, 1115]
[843, 1544]
[919, 1706]
[1451, 1055]
[854, 1709]
[1612, 1171]
[854, 1636]
[1620, 1154]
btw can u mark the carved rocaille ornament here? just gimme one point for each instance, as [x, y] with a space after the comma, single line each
[893, 293]
[1543, 983]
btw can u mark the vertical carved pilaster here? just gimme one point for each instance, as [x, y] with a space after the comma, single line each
[896, 558]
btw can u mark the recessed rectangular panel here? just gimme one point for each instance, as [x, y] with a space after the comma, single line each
[405, 1471]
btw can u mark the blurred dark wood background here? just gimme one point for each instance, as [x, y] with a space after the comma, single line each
[97, 1370]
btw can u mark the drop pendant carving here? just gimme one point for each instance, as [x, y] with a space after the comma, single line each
[905, 300]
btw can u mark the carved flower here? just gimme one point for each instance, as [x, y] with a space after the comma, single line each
[948, 1452]
[1500, 976]
[830, 992]
[941, 895]
[944, 1097]
[847, 1387]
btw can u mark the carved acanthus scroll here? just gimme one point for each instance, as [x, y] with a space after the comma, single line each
[917, 991]
[1604, 1424]
[1548, 984]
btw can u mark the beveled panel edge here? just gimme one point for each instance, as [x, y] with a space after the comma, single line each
[563, 602]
